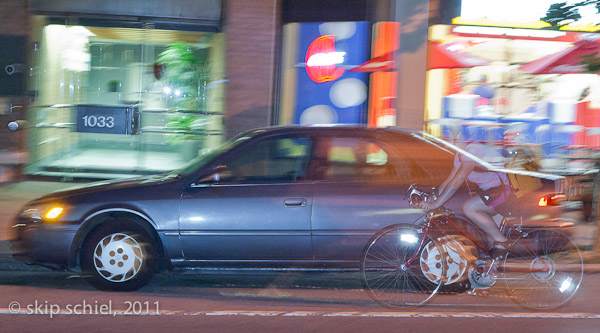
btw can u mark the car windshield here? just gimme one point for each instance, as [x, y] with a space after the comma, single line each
[201, 160]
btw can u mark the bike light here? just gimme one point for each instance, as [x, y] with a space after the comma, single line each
[565, 285]
[53, 213]
[410, 238]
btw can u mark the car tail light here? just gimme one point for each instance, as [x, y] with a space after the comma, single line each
[551, 200]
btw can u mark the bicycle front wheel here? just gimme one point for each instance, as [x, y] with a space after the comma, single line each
[400, 269]
[543, 270]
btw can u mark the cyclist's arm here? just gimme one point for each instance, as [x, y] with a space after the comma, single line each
[453, 185]
[447, 181]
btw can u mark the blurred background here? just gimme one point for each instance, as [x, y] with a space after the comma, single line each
[94, 90]
[118, 89]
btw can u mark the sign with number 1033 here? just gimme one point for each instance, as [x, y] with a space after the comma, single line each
[104, 119]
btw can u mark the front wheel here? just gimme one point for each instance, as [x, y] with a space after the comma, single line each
[543, 270]
[119, 258]
[401, 269]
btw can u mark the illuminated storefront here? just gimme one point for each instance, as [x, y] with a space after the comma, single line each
[489, 73]
[340, 70]
[318, 86]
[117, 98]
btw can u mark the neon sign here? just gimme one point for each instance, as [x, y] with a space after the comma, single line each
[321, 60]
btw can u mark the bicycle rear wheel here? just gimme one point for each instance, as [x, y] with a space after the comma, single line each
[543, 270]
[400, 269]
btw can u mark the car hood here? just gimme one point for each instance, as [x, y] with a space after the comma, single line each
[105, 186]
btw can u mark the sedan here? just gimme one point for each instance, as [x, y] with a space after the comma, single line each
[305, 198]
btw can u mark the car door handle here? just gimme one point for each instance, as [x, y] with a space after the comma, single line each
[294, 202]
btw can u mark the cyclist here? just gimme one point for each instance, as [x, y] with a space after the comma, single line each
[493, 190]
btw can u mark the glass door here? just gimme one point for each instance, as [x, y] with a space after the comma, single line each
[122, 101]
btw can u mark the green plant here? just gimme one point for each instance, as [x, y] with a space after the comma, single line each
[183, 126]
[185, 73]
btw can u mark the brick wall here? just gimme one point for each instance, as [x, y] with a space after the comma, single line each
[14, 17]
[251, 30]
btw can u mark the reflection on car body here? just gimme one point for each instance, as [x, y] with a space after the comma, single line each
[273, 198]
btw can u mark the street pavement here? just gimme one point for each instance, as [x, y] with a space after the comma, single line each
[14, 195]
[269, 302]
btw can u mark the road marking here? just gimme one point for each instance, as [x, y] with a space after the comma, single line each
[243, 313]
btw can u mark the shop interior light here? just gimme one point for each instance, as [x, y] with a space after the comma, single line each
[53, 213]
[455, 47]
[326, 59]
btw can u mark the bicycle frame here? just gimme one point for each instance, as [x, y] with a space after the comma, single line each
[434, 225]
[404, 272]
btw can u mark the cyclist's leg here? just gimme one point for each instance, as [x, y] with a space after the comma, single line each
[481, 215]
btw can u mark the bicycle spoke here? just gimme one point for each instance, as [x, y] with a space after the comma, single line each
[388, 276]
[544, 270]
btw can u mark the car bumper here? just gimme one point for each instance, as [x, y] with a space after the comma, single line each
[565, 226]
[43, 244]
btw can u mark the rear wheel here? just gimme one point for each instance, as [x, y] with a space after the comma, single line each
[543, 270]
[400, 269]
[119, 256]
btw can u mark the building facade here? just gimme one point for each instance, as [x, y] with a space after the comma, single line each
[116, 88]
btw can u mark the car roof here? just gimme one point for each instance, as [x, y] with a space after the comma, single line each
[328, 129]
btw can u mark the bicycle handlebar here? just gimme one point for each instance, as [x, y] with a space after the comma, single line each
[418, 195]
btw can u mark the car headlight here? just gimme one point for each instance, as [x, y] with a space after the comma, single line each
[44, 212]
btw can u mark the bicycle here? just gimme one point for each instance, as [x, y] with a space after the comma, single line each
[405, 265]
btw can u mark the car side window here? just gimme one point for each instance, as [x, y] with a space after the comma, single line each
[273, 160]
[424, 162]
[355, 159]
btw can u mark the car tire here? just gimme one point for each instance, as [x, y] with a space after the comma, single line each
[120, 256]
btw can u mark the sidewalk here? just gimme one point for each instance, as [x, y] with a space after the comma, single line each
[14, 196]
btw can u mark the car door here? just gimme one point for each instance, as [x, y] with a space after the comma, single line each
[361, 189]
[255, 206]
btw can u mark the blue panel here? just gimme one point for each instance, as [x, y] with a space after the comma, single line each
[309, 93]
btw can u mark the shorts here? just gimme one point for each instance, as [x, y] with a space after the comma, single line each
[495, 196]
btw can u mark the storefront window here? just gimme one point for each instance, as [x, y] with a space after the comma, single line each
[116, 101]
[512, 86]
